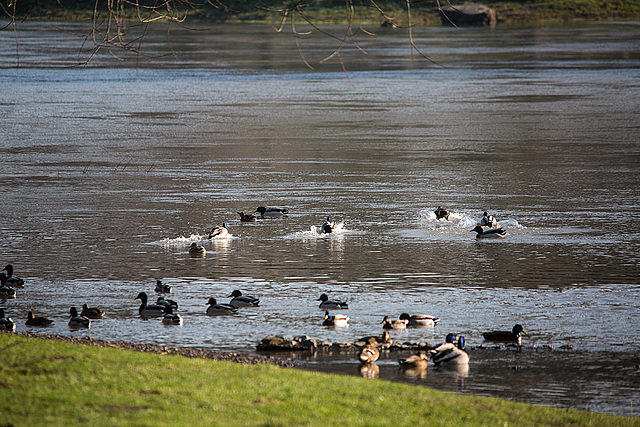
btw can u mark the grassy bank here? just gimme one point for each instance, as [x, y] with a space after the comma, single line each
[423, 12]
[52, 383]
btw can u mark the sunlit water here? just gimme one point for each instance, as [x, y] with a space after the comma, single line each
[110, 172]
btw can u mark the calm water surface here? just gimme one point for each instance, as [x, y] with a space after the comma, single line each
[111, 171]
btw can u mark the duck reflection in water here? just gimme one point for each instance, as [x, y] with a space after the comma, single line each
[414, 366]
[369, 370]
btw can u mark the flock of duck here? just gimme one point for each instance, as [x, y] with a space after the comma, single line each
[451, 352]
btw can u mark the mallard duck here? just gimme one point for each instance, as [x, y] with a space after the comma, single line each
[77, 321]
[328, 226]
[247, 217]
[331, 304]
[494, 233]
[167, 303]
[92, 312]
[171, 318]
[14, 282]
[385, 339]
[219, 231]
[419, 360]
[505, 336]
[240, 300]
[197, 251]
[161, 288]
[449, 353]
[6, 323]
[215, 308]
[154, 310]
[369, 353]
[335, 319]
[37, 321]
[394, 324]
[420, 320]
[442, 213]
[488, 221]
[272, 211]
[6, 292]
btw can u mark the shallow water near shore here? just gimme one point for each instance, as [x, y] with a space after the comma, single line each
[110, 172]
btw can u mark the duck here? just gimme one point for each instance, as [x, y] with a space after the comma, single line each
[394, 324]
[154, 310]
[331, 304]
[273, 212]
[240, 300]
[76, 321]
[494, 233]
[197, 251]
[219, 231]
[14, 282]
[328, 226]
[6, 323]
[420, 320]
[37, 321]
[215, 308]
[167, 302]
[385, 339]
[442, 213]
[415, 361]
[91, 312]
[369, 353]
[247, 217]
[171, 318]
[450, 353]
[161, 288]
[6, 292]
[513, 336]
[488, 221]
[335, 319]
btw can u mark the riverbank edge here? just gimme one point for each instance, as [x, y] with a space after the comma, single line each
[508, 13]
[38, 374]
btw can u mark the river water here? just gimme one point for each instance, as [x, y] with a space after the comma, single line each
[112, 170]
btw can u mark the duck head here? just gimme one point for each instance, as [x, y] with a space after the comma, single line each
[142, 296]
[451, 338]
[518, 329]
[73, 312]
[405, 316]
[212, 301]
[235, 293]
[327, 315]
[261, 209]
[9, 270]
[323, 297]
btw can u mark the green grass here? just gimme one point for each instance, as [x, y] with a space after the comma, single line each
[52, 383]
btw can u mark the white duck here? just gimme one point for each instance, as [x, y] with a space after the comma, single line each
[219, 231]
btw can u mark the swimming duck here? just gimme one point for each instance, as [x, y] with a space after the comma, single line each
[167, 303]
[442, 213]
[77, 321]
[162, 288]
[369, 353]
[378, 340]
[328, 226]
[489, 234]
[329, 304]
[219, 231]
[6, 292]
[91, 312]
[37, 321]
[394, 324]
[272, 211]
[505, 336]
[215, 308]
[247, 217]
[14, 282]
[419, 361]
[154, 310]
[171, 318]
[420, 320]
[240, 300]
[197, 251]
[488, 221]
[6, 323]
[335, 319]
[450, 353]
